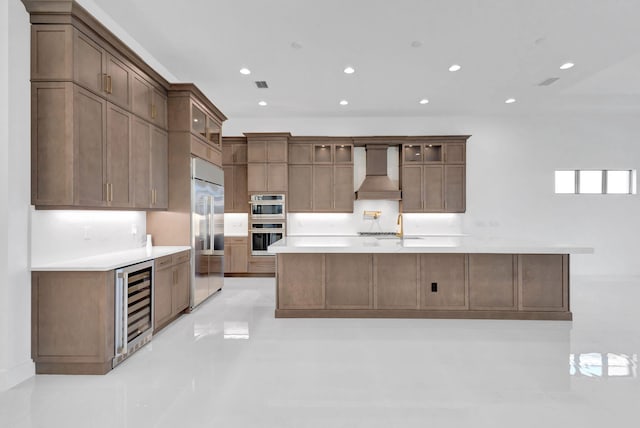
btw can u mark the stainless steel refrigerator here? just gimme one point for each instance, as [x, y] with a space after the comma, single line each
[207, 230]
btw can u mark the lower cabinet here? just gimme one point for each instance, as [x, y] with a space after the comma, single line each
[236, 255]
[172, 287]
[492, 282]
[443, 281]
[501, 286]
[72, 322]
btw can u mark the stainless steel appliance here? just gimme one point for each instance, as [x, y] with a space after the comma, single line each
[267, 206]
[133, 309]
[207, 230]
[263, 234]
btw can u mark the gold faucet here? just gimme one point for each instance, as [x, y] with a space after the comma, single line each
[400, 234]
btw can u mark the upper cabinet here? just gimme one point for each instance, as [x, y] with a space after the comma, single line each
[320, 175]
[234, 161]
[267, 157]
[99, 116]
[193, 118]
[433, 174]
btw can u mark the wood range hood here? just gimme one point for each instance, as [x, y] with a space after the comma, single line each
[377, 184]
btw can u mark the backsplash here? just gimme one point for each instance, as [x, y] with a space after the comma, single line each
[62, 235]
[302, 224]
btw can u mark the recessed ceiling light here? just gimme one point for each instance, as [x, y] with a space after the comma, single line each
[424, 101]
[454, 67]
[245, 71]
[510, 100]
[566, 66]
[344, 102]
[195, 120]
[262, 103]
[349, 70]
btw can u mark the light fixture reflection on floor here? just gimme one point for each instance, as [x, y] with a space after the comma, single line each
[236, 330]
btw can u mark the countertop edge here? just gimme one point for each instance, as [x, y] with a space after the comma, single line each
[110, 261]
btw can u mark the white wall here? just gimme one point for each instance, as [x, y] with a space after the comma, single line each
[510, 165]
[15, 334]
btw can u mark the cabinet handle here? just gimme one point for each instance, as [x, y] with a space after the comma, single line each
[110, 81]
[105, 83]
[110, 191]
[153, 111]
[151, 190]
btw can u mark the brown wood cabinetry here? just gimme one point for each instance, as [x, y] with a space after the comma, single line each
[72, 322]
[301, 281]
[267, 162]
[538, 279]
[443, 282]
[433, 176]
[236, 196]
[320, 177]
[492, 282]
[171, 298]
[89, 94]
[236, 255]
[427, 285]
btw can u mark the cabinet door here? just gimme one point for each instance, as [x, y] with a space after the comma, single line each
[322, 187]
[119, 192]
[277, 151]
[543, 281]
[300, 154]
[349, 282]
[396, 281]
[257, 177]
[52, 52]
[118, 84]
[240, 194]
[412, 188]
[300, 281]
[343, 188]
[141, 97]
[228, 188]
[443, 281]
[159, 168]
[257, 151]
[89, 141]
[235, 255]
[227, 155]
[52, 174]
[454, 153]
[141, 162]
[300, 188]
[277, 177]
[492, 282]
[159, 108]
[454, 188]
[239, 153]
[433, 186]
[181, 288]
[89, 69]
[163, 289]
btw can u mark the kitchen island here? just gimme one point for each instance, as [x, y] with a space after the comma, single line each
[422, 277]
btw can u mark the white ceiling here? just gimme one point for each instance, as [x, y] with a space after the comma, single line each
[505, 48]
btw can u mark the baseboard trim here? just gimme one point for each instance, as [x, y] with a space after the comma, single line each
[412, 313]
[16, 375]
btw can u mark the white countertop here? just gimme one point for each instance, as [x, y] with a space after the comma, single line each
[418, 244]
[111, 261]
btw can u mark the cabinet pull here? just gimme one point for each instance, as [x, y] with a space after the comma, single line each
[110, 81]
[110, 191]
[153, 111]
[151, 190]
[105, 83]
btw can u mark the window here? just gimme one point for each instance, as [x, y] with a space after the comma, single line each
[584, 181]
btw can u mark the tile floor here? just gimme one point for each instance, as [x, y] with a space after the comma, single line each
[232, 364]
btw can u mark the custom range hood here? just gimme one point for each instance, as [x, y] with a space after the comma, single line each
[377, 184]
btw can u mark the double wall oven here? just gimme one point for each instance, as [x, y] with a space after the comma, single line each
[267, 224]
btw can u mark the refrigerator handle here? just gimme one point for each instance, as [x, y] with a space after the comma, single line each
[211, 217]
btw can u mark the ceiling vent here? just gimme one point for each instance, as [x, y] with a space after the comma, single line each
[549, 81]
[261, 84]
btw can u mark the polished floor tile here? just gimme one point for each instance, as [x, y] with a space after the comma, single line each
[232, 364]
